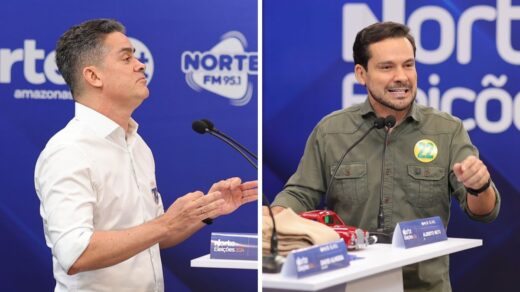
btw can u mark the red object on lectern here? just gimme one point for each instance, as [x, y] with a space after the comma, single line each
[355, 238]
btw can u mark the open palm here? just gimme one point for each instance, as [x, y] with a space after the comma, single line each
[235, 193]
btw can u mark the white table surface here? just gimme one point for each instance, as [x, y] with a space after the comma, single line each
[206, 262]
[376, 259]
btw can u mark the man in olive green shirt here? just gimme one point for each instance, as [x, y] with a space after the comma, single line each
[429, 156]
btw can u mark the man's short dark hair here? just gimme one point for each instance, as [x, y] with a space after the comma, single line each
[375, 33]
[82, 45]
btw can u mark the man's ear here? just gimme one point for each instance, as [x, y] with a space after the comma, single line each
[361, 74]
[92, 76]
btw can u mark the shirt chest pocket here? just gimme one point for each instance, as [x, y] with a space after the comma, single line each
[350, 183]
[427, 186]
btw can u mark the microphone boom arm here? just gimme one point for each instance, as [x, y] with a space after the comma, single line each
[236, 143]
[378, 124]
[227, 141]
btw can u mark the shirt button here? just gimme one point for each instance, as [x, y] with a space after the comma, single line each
[417, 171]
[388, 171]
[386, 200]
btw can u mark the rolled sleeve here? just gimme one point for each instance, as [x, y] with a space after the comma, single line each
[64, 185]
[69, 247]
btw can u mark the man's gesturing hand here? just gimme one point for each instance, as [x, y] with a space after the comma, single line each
[235, 193]
[471, 172]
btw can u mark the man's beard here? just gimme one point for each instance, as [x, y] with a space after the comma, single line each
[389, 105]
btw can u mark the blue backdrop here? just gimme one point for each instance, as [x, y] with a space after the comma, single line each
[181, 42]
[467, 62]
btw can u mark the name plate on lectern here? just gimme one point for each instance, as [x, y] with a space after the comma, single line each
[316, 259]
[419, 232]
[234, 246]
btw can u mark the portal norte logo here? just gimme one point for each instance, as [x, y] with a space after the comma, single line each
[224, 69]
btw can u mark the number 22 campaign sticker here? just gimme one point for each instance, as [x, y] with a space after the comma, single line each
[425, 150]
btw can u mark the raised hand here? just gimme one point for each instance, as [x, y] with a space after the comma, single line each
[193, 208]
[471, 172]
[235, 193]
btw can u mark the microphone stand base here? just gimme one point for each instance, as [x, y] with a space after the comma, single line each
[271, 264]
[382, 236]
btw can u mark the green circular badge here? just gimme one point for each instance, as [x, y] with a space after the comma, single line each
[425, 150]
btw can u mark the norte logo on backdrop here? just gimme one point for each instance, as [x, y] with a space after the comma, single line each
[224, 69]
[41, 78]
[458, 41]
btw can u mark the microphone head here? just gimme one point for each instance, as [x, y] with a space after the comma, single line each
[199, 127]
[379, 123]
[390, 121]
[209, 124]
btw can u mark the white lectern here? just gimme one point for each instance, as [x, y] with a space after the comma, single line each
[379, 269]
[207, 262]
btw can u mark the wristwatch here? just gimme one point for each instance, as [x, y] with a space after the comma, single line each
[208, 221]
[475, 193]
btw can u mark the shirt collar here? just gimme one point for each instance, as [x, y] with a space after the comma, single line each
[415, 113]
[103, 126]
[366, 108]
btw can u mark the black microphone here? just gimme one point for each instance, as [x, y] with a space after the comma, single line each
[378, 124]
[199, 127]
[382, 236]
[390, 121]
[202, 127]
[271, 263]
[211, 127]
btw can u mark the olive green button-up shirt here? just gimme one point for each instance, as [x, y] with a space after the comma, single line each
[417, 180]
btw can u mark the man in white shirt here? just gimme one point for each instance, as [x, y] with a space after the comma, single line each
[103, 215]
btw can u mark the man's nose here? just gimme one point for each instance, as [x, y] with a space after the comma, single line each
[140, 66]
[400, 74]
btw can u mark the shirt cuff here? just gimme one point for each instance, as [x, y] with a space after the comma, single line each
[71, 246]
[492, 215]
[288, 201]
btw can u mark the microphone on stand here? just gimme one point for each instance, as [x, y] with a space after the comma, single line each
[378, 124]
[382, 236]
[271, 263]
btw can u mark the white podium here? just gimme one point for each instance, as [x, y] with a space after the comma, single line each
[379, 269]
[207, 262]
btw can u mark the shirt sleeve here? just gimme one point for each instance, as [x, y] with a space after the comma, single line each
[461, 149]
[304, 189]
[64, 185]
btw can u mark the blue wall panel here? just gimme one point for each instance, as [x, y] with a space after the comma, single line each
[185, 161]
[306, 52]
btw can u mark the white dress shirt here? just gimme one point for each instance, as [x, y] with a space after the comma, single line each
[91, 176]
